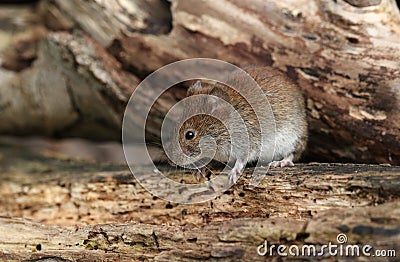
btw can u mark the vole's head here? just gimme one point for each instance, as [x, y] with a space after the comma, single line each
[200, 127]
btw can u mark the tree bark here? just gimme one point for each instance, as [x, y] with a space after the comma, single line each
[343, 55]
[88, 211]
[74, 88]
[345, 63]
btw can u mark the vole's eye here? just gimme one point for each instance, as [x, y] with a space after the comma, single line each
[189, 135]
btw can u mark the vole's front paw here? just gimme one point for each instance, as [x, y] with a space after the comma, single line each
[234, 175]
[236, 171]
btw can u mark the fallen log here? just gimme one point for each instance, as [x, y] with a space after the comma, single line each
[69, 192]
[343, 54]
[235, 239]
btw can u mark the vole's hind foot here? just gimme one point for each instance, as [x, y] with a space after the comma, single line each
[200, 173]
[287, 161]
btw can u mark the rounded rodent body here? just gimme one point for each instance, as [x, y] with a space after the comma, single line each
[287, 105]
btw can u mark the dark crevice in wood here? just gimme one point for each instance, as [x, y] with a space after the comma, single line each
[363, 3]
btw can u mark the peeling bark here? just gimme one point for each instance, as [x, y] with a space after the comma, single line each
[74, 88]
[345, 59]
[343, 54]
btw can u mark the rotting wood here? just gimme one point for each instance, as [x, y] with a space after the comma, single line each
[235, 239]
[343, 54]
[68, 192]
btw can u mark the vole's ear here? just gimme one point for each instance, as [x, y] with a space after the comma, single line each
[220, 91]
[218, 104]
[195, 88]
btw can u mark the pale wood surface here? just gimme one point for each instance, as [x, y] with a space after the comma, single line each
[79, 210]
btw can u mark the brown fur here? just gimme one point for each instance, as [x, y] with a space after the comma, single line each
[284, 97]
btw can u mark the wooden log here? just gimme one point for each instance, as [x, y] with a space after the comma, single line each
[67, 210]
[65, 193]
[232, 240]
[74, 88]
[342, 53]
